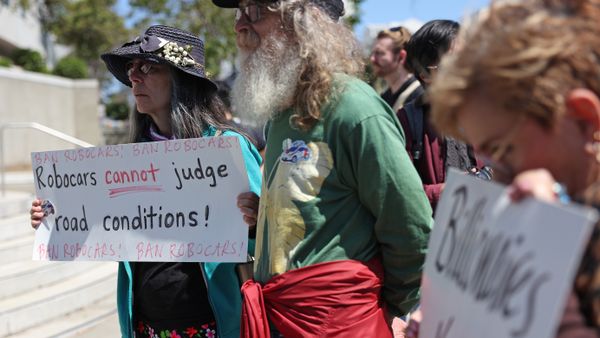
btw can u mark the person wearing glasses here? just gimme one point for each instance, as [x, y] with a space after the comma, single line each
[431, 152]
[387, 59]
[337, 213]
[174, 100]
[524, 90]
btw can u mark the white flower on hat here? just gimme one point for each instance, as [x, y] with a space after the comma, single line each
[180, 56]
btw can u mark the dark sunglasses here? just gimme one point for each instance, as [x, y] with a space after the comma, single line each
[251, 11]
[397, 29]
[144, 67]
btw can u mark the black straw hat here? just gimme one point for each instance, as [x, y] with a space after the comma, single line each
[334, 8]
[161, 44]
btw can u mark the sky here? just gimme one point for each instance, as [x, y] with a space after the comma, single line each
[384, 11]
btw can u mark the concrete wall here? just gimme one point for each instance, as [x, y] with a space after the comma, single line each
[69, 106]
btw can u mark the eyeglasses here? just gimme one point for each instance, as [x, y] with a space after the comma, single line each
[427, 72]
[501, 149]
[144, 67]
[251, 11]
[494, 155]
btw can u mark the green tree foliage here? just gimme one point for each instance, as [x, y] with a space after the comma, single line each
[72, 67]
[91, 27]
[30, 60]
[354, 19]
[5, 62]
[117, 110]
[214, 25]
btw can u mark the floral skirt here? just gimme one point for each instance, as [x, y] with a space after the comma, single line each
[144, 330]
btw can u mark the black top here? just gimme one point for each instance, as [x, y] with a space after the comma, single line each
[170, 295]
[391, 98]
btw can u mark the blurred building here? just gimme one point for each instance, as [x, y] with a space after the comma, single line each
[65, 105]
[22, 29]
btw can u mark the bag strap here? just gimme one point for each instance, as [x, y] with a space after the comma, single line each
[405, 94]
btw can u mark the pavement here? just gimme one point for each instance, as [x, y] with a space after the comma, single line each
[109, 327]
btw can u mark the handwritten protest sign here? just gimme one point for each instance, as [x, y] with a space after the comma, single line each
[496, 268]
[157, 201]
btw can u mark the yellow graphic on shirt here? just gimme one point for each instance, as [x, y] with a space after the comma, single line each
[297, 177]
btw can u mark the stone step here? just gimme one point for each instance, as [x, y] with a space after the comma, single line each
[24, 276]
[14, 203]
[40, 306]
[94, 321]
[17, 249]
[15, 226]
[19, 178]
[109, 327]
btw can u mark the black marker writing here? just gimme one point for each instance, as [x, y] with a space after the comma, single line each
[199, 173]
[493, 268]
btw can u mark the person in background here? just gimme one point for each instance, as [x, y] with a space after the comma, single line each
[255, 131]
[387, 59]
[174, 100]
[337, 212]
[432, 153]
[524, 90]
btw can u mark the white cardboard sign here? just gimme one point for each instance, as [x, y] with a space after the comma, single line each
[498, 269]
[157, 201]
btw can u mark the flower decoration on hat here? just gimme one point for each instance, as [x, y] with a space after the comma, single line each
[178, 55]
[170, 50]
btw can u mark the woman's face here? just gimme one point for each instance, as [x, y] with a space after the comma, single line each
[151, 87]
[513, 142]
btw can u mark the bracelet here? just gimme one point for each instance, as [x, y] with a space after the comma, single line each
[561, 193]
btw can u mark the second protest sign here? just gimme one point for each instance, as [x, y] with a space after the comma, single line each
[499, 269]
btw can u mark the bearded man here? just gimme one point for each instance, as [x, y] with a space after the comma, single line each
[341, 207]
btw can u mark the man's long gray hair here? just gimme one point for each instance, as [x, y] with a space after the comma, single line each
[326, 47]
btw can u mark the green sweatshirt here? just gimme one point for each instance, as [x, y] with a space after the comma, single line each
[346, 189]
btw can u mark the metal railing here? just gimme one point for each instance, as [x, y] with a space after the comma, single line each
[36, 126]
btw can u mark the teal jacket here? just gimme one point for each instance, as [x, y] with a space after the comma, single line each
[221, 278]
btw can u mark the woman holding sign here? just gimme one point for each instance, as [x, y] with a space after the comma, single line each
[174, 100]
[524, 90]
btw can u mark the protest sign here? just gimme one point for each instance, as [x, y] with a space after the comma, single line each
[157, 201]
[496, 268]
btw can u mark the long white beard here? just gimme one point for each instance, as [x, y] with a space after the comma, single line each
[267, 80]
